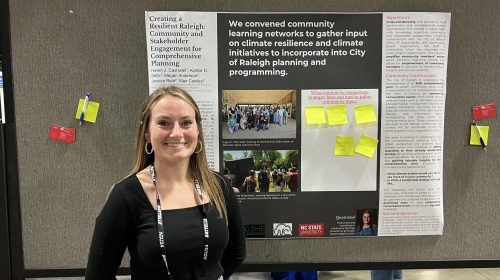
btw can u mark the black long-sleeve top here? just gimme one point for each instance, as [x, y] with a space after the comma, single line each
[129, 221]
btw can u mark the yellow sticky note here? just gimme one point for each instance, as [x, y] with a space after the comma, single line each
[474, 138]
[365, 114]
[337, 114]
[366, 146]
[315, 115]
[344, 146]
[90, 113]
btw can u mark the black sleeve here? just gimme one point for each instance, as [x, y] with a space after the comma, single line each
[110, 238]
[235, 252]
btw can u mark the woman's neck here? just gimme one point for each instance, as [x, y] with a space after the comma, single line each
[172, 173]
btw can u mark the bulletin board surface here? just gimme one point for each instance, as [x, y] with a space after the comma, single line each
[61, 49]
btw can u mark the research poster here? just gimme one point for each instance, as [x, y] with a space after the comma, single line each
[328, 124]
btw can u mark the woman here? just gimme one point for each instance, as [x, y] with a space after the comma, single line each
[366, 226]
[178, 219]
[231, 113]
[285, 115]
[243, 121]
[233, 125]
[250, 182]
[231, 121]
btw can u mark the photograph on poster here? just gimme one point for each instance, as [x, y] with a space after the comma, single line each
[259, 114]
[262, 170]
[366, 222]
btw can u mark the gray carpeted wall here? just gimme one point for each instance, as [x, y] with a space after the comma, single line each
[60, 49]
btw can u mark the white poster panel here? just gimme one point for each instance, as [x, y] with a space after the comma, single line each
[415, 52]
[182, 51]
[348, 172]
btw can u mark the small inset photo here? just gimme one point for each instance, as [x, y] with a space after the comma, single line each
[259, 114]
[366, 222]
[252, 171]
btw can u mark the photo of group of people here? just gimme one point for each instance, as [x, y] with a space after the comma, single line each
[250, 114]
[254, 116]
[262, 170]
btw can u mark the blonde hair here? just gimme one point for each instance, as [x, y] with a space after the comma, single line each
[198, 165]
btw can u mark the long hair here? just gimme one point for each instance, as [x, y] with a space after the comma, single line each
[361, 223]
[198, 165]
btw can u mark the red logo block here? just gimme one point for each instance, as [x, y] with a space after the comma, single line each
[310, 230]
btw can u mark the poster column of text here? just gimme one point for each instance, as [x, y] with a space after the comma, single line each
[414, 89]
[182, 48]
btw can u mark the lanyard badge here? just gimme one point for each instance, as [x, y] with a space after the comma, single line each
[161, 232]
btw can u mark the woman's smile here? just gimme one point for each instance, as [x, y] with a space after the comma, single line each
[176, 145]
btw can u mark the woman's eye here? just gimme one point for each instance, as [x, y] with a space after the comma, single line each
[187, 122]
[163, 123]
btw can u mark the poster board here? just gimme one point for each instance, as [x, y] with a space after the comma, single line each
[366, 97]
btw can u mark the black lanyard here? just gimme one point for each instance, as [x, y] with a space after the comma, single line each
[161, 233]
